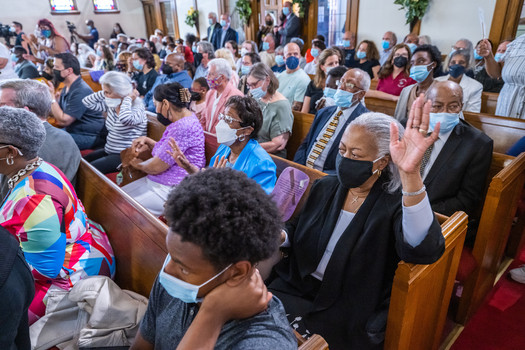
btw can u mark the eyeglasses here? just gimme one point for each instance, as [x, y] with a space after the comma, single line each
[254, 85]
[228, 119]
[346, 85]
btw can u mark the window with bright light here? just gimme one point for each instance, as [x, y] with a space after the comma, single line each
[105, 5]
[63, 6]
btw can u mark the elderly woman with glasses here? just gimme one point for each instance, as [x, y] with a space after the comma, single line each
[354, 229]
[42, 211]
[276, 109]
[237, 133]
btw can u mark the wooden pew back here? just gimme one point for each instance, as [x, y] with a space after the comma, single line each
[302, 123]
[504, 131]
[495, 224]
[489, 101]
[421, 294]
[87, 78]
[381, 106]
[138, 238]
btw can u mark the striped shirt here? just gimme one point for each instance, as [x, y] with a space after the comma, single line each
[131, 122]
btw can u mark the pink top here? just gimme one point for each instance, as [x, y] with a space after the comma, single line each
[393, 86]
[190, 137]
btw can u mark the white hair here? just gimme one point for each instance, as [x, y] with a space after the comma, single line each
[378, 125]
[222, 66]
[118, 82]
[364, 79]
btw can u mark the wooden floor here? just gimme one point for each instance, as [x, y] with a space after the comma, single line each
[456, 331]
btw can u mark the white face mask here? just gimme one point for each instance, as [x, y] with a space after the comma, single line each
[225, 135]
[113, 102]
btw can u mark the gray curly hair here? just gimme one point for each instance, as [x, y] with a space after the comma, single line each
[118, 82]
[22, 129]
[378, 125]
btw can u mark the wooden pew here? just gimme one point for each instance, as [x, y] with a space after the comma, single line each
[154, 129]
[504, 131]
[381, 106]
[137, 236]
[421, 293]
[489, 101]
[495, 224]
[87, 78]
[301, 125]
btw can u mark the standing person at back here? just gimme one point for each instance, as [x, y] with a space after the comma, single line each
[226, 33]
[214, 27]
[92, 37]
[82, 123]
[221, 89]
[294, 81]
[291, 26]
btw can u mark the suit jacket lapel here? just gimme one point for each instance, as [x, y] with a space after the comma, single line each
[453, 142]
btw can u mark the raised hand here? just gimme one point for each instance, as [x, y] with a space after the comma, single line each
[220, 163]
[408, 152]
[180, 158]
[485, 48]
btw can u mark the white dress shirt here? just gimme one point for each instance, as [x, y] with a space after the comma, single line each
[438, 146]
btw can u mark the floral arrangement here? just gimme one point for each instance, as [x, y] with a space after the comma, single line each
[303, 6]
[415, 9]
[244, 9]
[191, 17]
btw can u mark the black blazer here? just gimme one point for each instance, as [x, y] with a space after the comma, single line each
[358, 279]
[212, 36]
[230, 35]
[458, 176]
[292, 29]
[321, 118]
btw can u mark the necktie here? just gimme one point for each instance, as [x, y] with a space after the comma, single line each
[426, 158]
[320, 145]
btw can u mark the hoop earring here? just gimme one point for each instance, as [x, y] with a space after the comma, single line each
[10, 161]
[242, 137]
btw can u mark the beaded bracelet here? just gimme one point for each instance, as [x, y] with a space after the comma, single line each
[411, 194]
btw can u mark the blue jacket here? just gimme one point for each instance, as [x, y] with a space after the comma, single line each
[181, 77]
[320, 120]
[255, 162]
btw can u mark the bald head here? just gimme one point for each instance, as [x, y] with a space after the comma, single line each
[349, 39]
[292, 49]
[176, 61]
[446, 97]
[411, 39]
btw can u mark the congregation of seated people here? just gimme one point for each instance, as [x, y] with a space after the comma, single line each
[96, 98]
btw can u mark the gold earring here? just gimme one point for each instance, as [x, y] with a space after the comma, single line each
[379, 172]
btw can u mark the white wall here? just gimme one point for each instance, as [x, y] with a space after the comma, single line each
[445, 21]
[28, 12]
[205, 7]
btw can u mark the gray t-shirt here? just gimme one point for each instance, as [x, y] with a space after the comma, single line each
[167, 319]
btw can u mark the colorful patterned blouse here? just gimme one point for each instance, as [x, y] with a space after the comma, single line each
[60, 244]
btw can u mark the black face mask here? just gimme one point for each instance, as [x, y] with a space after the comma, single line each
[353, 173]
[57, 75]
[195, 96]
[163, 120]
[400, 61]
[166, 69]
[269, 23]
[47, 76]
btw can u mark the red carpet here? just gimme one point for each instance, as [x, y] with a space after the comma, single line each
[500, 321]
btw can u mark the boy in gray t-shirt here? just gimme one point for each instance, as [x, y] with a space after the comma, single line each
[208, 293]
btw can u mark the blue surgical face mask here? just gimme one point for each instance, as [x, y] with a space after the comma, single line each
[385, 44]
[477, 56]
[137, 65]
[245, 69]
[329, 92]
[343, 98]
[210, 21]
[292, 62]
[279, 59]
[412, 47]
[89, 28]
[46, 33]
[499, 57]
[456, 70]
[346, 43]
[258, 93]
[452, 52]
[179, 289]
[223, 22]
[286, 11]
[419, 73]
[314, 52]
[447, 121]
[266, 46]
[360, 55]
[14, 58]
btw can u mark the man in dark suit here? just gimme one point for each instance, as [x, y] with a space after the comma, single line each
[226, 33]
[456, 172]
[214, 28]
[291, 27]
[320, 147]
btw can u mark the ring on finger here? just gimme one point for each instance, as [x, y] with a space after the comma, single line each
[423, 132]
[415, 126]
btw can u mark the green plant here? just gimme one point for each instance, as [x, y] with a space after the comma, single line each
[244, 9]
[415, 9]
[303, 6]
[191, 17]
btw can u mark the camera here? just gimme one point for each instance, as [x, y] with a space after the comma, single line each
[71, 27]
[6, 33]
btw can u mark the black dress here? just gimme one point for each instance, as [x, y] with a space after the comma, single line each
[353, 297]
[145, 81]
[315, 94]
